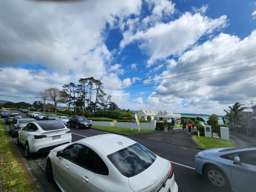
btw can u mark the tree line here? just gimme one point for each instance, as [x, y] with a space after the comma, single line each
[87, 95]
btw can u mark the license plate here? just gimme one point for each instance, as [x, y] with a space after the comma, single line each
[56, 137]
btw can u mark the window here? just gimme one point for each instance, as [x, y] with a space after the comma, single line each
[30, 127]
[91, 161]
[51, 125]
[248, 157]
[86, 158]
[132, 160]
[71, 153]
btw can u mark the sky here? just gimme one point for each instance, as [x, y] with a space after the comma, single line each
[194, 56]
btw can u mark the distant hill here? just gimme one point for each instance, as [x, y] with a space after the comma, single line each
[4, 101]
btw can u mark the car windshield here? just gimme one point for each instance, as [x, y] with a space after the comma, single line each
[132, 160]
[49, 125]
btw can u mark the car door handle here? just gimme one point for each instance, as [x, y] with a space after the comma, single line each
[85, 179]
[66, 166]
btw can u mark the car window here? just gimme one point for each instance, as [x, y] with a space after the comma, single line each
[71, 153]
[49, 125]
[86, 158]
[132, 160]
[248, 157]
[91, 161]
[30, 127]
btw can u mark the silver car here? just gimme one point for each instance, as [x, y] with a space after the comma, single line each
[231, 169]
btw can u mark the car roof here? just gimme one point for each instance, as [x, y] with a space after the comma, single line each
[107, 144]
[235, 150]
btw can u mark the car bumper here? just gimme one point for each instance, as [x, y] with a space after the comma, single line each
[171, 186]
[199, 162]
[49, 143]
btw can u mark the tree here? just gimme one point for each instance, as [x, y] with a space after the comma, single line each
[54, 95]
[233, 115]
[71, 94]
[44, 97]
[213, 121]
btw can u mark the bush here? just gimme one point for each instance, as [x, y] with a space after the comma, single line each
[160, 126]
[213, 121]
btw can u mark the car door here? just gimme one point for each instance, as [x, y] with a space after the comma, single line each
[95, 172]
[78, 168]
[23, 134]
[244, 173]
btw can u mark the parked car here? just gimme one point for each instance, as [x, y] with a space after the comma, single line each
[41, 117]
[228, 168]
[79, 122]
[64, 119]
[42, 135]
[109, 162]
[35, 114]
[12, 118]
[19, 125]
[4, 114]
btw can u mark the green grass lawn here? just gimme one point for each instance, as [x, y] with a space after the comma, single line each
[207, 143]
[13, 174]
[122, 131]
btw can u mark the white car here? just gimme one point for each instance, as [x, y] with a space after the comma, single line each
[111, 163]
[42, 135]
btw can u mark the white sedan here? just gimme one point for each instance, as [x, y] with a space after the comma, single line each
[109, 163]
[42, 135]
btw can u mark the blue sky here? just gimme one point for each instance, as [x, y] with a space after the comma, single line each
[182, 56]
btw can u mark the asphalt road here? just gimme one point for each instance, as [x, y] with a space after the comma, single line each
[176, 147]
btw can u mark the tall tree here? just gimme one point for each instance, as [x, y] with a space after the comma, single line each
[233, 115]
[54, 95]
[71, 93]
[44, 97]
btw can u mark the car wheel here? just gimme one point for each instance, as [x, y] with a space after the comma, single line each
[216, 177]
[27, 151]
[48, 171]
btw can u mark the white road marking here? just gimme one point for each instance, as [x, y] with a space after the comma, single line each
[78, 134]
[173, 162]
[182, 165]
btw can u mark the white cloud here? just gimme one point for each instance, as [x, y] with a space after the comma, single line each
[212, 75]
[134, 66]
[61, 37]
[165, 39]
[254, 14]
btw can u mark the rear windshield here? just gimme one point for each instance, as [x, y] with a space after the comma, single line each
[51, 125]
[81, 118]
[132, 160]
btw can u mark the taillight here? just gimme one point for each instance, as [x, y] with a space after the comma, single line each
[170, 174]
[39, 136]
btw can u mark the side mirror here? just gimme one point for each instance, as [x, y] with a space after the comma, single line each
[59, 154]
[237, 160]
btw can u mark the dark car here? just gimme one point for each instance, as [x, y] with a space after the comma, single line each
[79, 122]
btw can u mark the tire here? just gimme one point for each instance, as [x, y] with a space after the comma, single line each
[48, 171]
[27, 153]
[216, 177]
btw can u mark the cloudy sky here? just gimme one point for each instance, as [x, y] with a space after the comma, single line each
[180, 55]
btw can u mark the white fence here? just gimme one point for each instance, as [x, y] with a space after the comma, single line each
[132, 125]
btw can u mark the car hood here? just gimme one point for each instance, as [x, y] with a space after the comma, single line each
[213, 151]
[151, 178]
